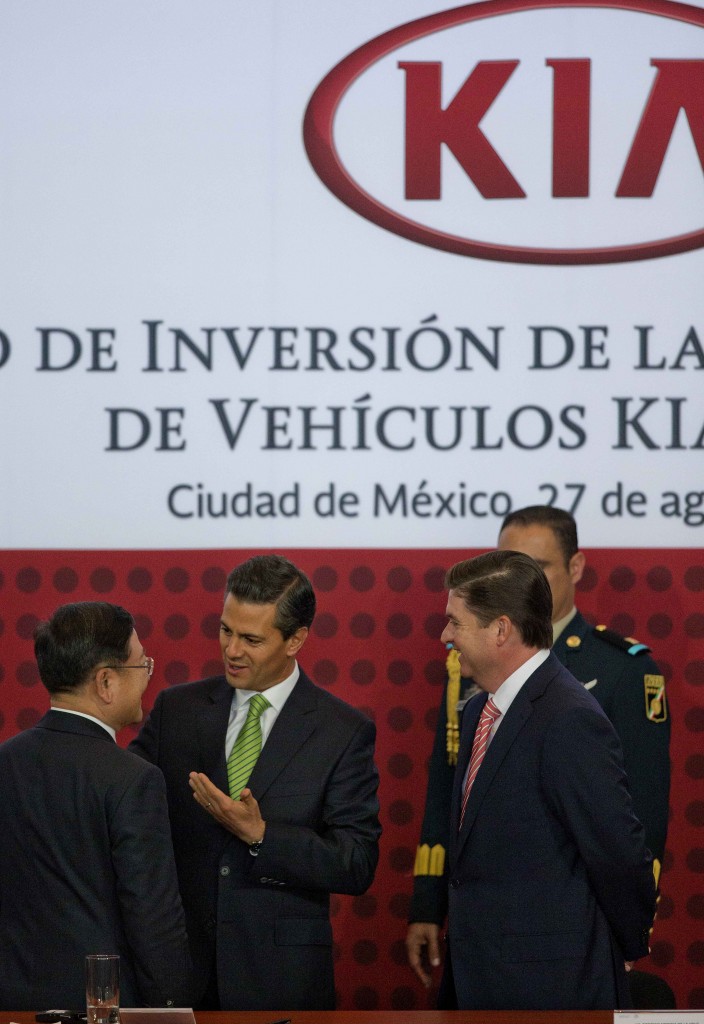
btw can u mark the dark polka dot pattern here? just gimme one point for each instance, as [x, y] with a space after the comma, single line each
[362, 578]
[622, 579]
[399, 579]
[176, 580]
[325, 626]
[399, 625]
[400, 673]
[588, 581]
[102, 580]
[214, 580]
[26, 624]
[364, 906]
[28, 580]
[324, 578]
[434, 672]
[139, 580]
[433, 625]
[325, 672]
[362, 672]
[376, 643]
[65, 580]
[434, 579]
[399, 905]
[144, 626]
[362, 625]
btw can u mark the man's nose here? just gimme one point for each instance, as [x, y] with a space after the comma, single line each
[234, 647]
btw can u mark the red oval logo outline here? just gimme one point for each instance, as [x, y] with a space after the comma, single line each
[320, 145]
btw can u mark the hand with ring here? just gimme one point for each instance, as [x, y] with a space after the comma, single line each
[241, 817]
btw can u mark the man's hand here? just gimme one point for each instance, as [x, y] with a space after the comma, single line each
[241, 817]
[423, 949]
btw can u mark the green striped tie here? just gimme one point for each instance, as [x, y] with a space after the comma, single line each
[248, 744]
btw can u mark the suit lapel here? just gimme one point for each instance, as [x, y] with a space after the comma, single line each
[516, 717]
[211, 726]
[470, 720]
[292, 728]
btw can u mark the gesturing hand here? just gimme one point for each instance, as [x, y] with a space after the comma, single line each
[241, 817]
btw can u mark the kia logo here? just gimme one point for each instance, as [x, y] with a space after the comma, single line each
[525, 131]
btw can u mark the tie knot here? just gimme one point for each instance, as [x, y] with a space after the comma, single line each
[491, 710]
[257, 705]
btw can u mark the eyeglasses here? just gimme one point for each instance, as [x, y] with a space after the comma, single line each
[148, 664]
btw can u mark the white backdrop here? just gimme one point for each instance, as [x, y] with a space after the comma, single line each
[193, 323]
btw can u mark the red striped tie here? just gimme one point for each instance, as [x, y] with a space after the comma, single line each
[489, 714]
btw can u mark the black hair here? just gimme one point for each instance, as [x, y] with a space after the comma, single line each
[506, 583]
[272, 579]
[558, 520]
[77, 638]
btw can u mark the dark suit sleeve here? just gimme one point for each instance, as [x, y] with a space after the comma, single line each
[582, 775]
[147, 889]
[339, 853]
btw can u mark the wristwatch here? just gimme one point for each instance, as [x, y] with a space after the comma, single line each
[256, 846]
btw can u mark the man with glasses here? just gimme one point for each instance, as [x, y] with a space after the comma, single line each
[86, 863]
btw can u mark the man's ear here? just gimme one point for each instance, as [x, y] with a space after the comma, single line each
[295, 642]
[504, 628]
[576, 567]
[104, 685]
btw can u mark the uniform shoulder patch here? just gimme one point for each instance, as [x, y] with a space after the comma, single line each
[624, 643]
[655, 699]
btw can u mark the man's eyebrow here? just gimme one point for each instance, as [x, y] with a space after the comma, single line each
[245, 635]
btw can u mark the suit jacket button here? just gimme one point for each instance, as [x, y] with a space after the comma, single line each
[224, 870]
[454, 883]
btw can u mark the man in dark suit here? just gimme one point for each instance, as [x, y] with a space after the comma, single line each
[86, 864]
[551, 893]
[258, 856]
[619, 673]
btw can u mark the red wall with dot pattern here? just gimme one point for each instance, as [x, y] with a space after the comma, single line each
[375, 644]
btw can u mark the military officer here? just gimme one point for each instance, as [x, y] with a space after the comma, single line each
[620, 674]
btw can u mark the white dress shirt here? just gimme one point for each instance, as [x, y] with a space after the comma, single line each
[277, 695]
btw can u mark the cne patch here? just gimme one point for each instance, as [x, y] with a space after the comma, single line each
[655, 700]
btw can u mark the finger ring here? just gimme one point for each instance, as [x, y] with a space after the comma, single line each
[209, 805]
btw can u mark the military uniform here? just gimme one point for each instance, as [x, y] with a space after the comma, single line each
[628, 685]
